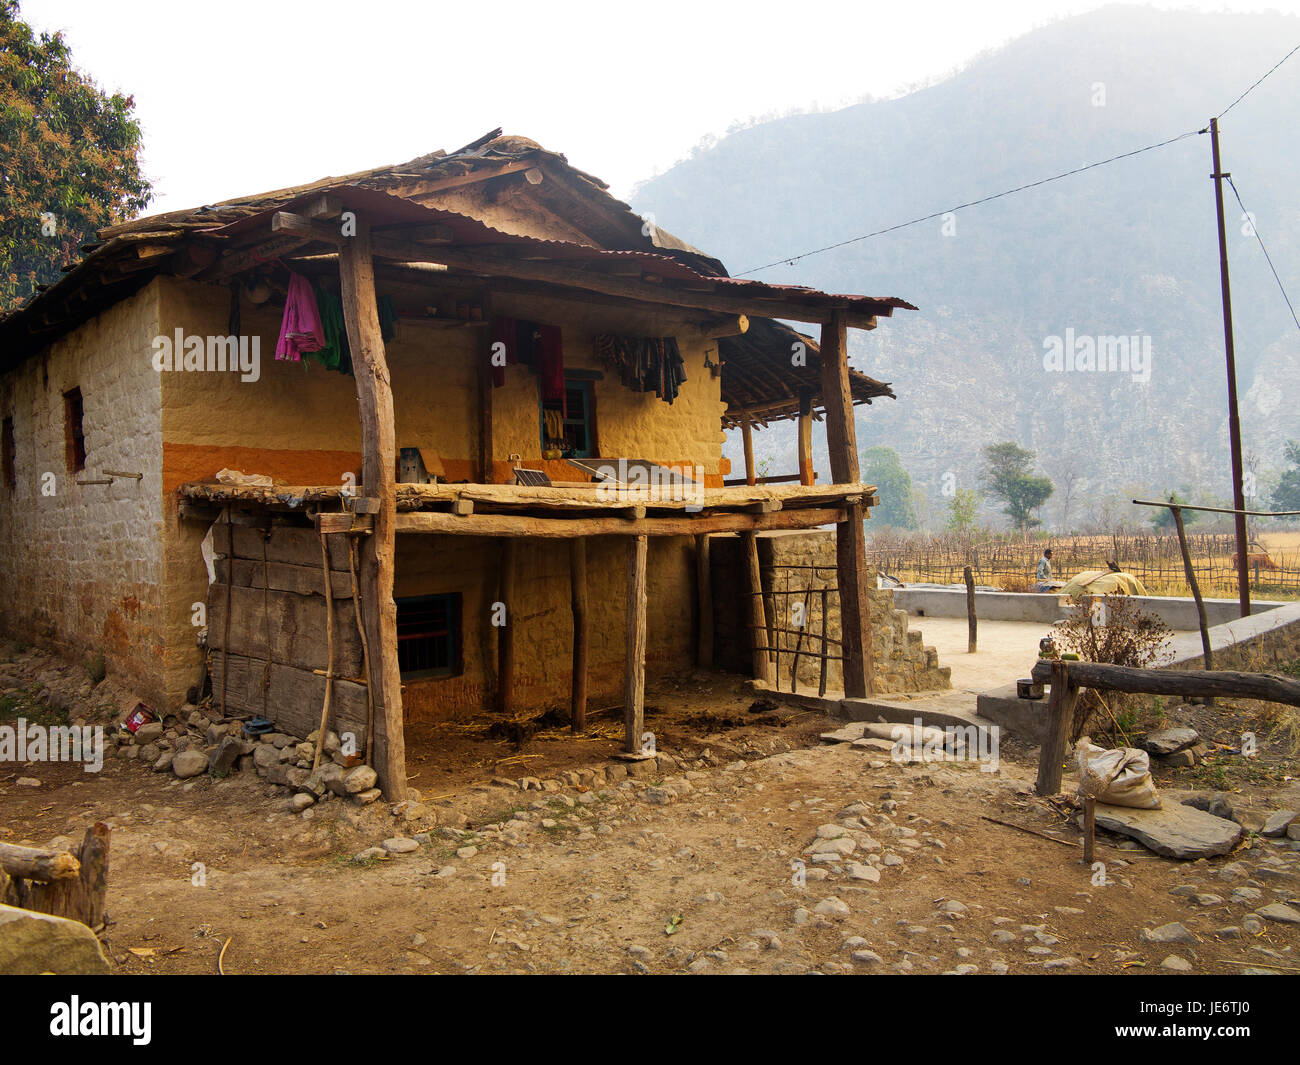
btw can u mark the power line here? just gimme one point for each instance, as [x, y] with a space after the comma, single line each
[792, 259]
[1252, 88]
[1254, 229]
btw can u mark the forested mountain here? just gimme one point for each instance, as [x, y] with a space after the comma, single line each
[1123, 250]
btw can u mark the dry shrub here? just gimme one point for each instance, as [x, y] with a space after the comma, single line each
[1115, 630]
[1014, 582]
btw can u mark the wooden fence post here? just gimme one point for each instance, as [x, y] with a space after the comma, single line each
[971, 621]
[1056, 733]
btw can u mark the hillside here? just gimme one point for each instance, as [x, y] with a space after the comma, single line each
[1127, 249]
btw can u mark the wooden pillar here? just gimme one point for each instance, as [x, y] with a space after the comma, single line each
[506, 631]
[704, 603]
[850, 535]
[581, 631]
[378, 475]
[755, 614]
[747, 433]
[634, 676]
[806, 474]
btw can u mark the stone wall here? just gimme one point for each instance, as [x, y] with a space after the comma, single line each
[79, 564]
[902, 663]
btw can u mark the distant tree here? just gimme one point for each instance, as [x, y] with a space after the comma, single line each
[881, 467]
[1164, 517]
[1286, 496]
[1008, 474]
[68, 158]
[962, 508]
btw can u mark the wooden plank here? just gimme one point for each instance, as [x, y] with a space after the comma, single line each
[294, 696]
[1060, 712]
[288, 544]
[755, 613]
[634, 672]
[704, 603]
[506, 633]
[581, 631]
[295, 627]
[379, 466]
[562, 528]
[283, 577]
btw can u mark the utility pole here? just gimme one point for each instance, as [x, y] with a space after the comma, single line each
[1234, 418]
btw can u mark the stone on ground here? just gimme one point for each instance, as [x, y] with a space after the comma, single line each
[35, 943]
[1175, 831]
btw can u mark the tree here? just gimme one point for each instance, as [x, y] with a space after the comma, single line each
[1286, 496]
[1008, 473]
[1164, 517]
[69, 158]
[881, 467]
[962, 508]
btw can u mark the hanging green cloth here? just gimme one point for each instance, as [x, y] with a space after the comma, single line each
[336, 355]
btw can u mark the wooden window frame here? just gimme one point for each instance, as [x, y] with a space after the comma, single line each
[74, 430]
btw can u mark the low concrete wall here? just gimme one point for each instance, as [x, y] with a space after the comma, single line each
[1176, 612]
[1254, 644]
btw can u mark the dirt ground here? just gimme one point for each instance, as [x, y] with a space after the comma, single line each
[691, 873]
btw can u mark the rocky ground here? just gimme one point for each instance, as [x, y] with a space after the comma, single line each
[727, 853]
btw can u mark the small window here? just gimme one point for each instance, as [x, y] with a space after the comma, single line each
[7, 447]
[74, 435]
[570, 426]
[428, 636]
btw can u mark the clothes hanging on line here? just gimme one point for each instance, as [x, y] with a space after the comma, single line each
[532, 344]
[644, 364]
[300, 328]
[336, 354]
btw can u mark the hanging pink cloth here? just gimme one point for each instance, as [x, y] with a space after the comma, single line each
[300, 329]
[551, 368]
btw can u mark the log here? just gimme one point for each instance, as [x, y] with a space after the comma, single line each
[634, 673]
[80, 898]
[581, 632]
[1060, 712]
[36, 863]
[379, 466]
[806, 474]
[1183, 683]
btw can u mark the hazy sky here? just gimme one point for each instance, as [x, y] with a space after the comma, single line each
[241, 97]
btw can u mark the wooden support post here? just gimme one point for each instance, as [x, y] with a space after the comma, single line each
[329, 648]
[485, 445]
[806, 474]
[1056, 731]
[506, 632]
[581, 632]
[704, 603]
[1190, 573]
[850, 535]
[971, 621]
[747, 434]
[821, 680]
[378, 475]
[755, 614]
[634, 677]
[1089, 828]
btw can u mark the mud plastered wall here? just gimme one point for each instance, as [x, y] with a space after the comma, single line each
[81, 565]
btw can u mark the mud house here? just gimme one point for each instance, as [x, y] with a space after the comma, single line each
[491, 484]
